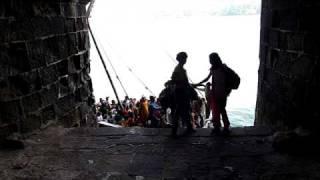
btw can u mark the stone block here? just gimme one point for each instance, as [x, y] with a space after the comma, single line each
[48, 114]
[45, 8]
[80, 24]
[11, 111]
[5, 92]
[81, 10]
[31, 103]
[68, 9]
[21, 30]
[24, 84]
[71, 66]
[266, 18]
[57, 25]
[56, 48]
[31, 122]
[283, 4]
[86, 58]
[78, 61]
[303, 67]
[311, 44]
[65, 104]
[72, 43]
[82, 93]
[71, 119]
[2, 10]
[17, 57]
[272, 58]
[76, 79]
[288, 19]
[306, 19]
[5, 29]
[36, 54]
[274, 37]
[83, 40]
[49, 74]
[275, 19]
[64, 86]
[295, 41]
[284, 63]
[49, 95]
[44, 23]
[70, 25]
[17, 8]
[63, 67]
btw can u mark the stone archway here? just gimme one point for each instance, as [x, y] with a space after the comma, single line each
[45, 65]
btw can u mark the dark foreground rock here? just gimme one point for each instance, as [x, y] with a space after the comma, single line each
[142, 154]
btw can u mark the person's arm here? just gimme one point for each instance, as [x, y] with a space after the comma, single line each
[205, 80]
[201, 89]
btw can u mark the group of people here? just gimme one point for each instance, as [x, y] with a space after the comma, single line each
[130, 112]
[178, 105]
[145, 112]
[223, 80]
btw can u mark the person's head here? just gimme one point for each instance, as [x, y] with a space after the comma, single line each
[215, 60]
[152, 98]
[182, 57]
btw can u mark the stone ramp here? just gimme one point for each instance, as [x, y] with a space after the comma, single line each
[138, 153]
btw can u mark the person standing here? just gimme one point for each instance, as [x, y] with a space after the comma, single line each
[219, 92]
[181, 108]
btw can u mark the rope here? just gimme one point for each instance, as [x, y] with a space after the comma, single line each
[135, 75]
[114, 70]
[140, 80]
[105, 67]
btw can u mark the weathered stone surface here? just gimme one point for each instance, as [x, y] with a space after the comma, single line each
[289, 54]
[43, 56]
[138, 153]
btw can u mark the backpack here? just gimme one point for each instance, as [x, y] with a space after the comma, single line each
[232, 78]
[166, 96]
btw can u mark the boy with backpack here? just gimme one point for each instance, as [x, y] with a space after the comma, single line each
[224, 80]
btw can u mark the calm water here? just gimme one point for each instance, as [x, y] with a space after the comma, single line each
[149, 46]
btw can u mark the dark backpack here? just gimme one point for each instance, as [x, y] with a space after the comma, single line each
[232, 78]
[166, 96]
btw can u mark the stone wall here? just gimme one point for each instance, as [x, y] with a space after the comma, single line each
[44, 64]
[289, 73]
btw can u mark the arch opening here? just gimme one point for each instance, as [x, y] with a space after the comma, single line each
[145, 37]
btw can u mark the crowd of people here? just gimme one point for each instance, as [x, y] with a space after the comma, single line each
[145, 112]
[178, 105]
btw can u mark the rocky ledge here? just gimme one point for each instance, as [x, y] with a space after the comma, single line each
[142, 154]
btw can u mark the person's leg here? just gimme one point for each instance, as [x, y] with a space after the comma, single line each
[225, 119]
[186, 116]
[201, 121]
[215, 113]
[175, 122]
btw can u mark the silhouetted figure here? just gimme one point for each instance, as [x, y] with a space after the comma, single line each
[221, 88]
[143, 111]
[154, 112]
[181, 108]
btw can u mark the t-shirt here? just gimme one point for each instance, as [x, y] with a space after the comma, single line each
[179, 76]
[219, 82]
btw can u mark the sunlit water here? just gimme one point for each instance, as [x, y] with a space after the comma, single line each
[149, 47]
